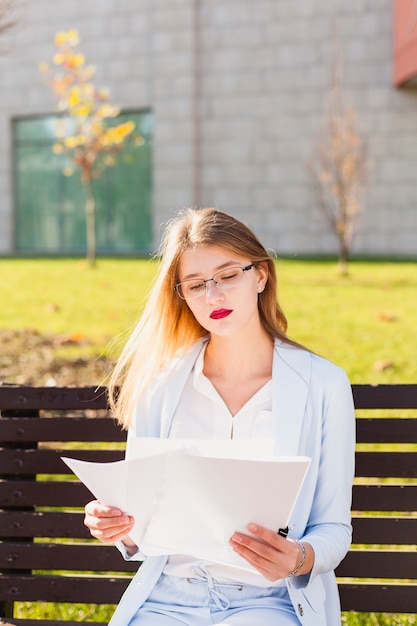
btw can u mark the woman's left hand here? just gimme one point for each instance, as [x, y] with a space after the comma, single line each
[272, 555]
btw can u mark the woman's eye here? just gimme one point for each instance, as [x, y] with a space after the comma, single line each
[195, 286]
[229, 276]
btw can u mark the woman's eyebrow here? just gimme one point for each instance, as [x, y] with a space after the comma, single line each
[218, 269]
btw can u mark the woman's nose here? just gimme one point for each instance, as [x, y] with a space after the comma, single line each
[213, 293]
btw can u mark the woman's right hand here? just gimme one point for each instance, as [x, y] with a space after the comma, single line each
[109, 524]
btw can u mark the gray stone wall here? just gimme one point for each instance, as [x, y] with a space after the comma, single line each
[239, 92]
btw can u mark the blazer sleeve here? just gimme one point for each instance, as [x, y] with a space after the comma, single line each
[329, 527]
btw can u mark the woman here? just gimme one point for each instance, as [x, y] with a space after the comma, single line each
[210, 358]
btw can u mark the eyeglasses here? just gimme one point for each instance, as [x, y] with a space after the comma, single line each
[225, 279]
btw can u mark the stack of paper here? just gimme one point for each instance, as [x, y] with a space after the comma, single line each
[188, 497]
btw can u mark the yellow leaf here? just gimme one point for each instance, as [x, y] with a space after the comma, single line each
[59, 58]
[78, 60]
[74, 98]
[68, 171]
[104, 94]
[89, 71]
[107, 110]
[71, 142]
[60, 38]
[73, 37]
[82, 111]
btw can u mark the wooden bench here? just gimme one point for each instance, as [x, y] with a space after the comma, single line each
[46, 553]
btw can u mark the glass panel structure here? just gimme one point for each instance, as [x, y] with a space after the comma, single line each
[50, 206]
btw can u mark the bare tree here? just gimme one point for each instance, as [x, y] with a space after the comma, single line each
[339, 170]
[7, 21]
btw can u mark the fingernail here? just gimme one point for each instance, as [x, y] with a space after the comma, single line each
[253, 528]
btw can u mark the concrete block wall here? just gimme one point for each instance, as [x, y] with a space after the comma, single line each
[239, 91]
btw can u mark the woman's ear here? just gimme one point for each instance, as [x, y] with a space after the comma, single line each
[262, 272]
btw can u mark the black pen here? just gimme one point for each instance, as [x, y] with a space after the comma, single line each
[283, 532]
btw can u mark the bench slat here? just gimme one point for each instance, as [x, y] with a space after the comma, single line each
[45, 588]
[21, 462]
[384, 530]
[366, 530]
[384, 498]
[47, 622]
[369, 430]
[384, 597]
[28, 429]
[378, 564]
[16, 524]
[52, 398]
[398, 396]
[63, 556]
[44, 461]
[386, 464]
[386, 430]
[22, 493]
[74, 494]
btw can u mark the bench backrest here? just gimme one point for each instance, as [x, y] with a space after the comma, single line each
[41, 500]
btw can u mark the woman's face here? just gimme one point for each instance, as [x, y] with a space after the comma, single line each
[223, 312]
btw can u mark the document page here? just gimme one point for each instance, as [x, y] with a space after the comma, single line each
[189, 496]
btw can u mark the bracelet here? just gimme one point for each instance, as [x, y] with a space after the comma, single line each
[303, 559]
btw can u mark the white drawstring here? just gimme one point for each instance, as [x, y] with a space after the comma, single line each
[203, 576]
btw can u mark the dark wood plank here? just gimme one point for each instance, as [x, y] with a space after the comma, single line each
[398, 396]
[384, 597]
[386, 464]
[15, 524]
[386, 430]
[52, 398]
[385, 530]
[378, 564]
[384, 498]
[47, 622]
[19, 493]
[39, 588]
[16, 461]
[32, 429]
[63, 556]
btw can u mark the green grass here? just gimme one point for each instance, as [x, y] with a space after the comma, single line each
[65, 296]
[366, 322]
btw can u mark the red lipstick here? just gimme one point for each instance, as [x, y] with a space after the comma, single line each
[219, 314]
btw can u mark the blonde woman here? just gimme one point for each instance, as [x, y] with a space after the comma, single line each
[210, 358]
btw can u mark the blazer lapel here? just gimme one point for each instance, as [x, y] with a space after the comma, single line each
[175, 385]
[291, 380]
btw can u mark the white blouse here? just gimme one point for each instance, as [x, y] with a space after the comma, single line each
[203, 414]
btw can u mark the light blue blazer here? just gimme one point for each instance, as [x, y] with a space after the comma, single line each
[313, 416]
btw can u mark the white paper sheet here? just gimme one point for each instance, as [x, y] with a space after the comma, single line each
[189, 496]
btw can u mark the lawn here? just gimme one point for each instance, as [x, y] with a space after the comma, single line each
[366, 322]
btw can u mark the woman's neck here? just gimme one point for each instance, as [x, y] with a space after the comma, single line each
[239, 359]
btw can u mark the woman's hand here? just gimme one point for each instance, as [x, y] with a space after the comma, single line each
[272, 555]
[109, 524]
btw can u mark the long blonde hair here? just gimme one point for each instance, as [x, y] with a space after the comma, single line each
[167, 325]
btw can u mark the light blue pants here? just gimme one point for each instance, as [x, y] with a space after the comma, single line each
[202, 601]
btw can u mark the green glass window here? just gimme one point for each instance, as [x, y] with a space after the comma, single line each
[50, 207]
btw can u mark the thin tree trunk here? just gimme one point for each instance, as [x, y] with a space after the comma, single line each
[343, 257]
[90, 206]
